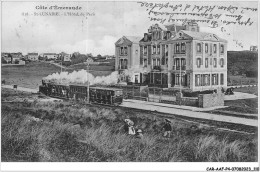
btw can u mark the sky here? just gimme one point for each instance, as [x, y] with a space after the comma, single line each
[109, 21]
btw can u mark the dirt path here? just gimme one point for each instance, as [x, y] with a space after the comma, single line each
[136, 104]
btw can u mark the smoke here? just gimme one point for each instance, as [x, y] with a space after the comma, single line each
[82, 77]
[131, 71]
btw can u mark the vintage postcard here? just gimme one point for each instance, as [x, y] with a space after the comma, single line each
[129, 81]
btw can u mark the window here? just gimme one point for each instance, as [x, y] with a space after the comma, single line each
[206, 48]
[206, 62]
[121, 50]
[206, 79]
[222, 49]
[215, 62]
[183, 62]
[166, 61]
[125, 64]
[177, 63]
[157, 62]
[197, 80]
[145, 63]
[221, 79]
[215, 48]
[214, 79]
[145, 49]
[154, 49]
[198, 62]
[154, 62]
[199, 47]
[158, 49]
[222, 62]
[177, 80]
[183, 47]
[177, 48]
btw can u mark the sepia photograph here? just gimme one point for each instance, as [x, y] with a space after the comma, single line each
[130, 81]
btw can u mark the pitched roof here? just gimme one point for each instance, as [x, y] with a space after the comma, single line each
[49, 53]
[134, 39]
[202, 35]
[32, 53]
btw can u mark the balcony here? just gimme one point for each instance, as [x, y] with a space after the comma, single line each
[122, 67]
[179, 67]
[158, 68]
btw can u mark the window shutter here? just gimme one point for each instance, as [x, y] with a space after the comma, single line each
[149, 54]
[141, 55]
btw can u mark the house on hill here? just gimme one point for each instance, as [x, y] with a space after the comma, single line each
[253, 48]
[33, 56]
[6, 57]
[65, 57]
[16, 57]
[50, 56]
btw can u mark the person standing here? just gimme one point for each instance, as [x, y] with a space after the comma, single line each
[167, 128]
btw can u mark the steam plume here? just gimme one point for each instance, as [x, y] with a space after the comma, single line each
[82, 77]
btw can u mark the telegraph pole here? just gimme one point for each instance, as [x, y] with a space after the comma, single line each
[180, 80]
[87, 83]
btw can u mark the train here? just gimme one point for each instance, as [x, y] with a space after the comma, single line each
[97, 95]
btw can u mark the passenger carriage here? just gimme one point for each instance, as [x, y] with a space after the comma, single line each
[100, 95]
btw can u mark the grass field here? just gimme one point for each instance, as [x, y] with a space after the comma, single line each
[40, 131]
[240, 80]
[31, 74]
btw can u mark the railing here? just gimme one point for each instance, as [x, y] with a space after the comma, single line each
[157, 68]
[178, 67]
[122, 67]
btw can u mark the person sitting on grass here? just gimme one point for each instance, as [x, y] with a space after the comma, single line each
[139, 134]
[167, 128]
[129, 127]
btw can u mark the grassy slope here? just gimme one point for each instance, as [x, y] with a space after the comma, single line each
[55, 138]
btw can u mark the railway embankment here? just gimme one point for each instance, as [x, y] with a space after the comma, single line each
[185, 111]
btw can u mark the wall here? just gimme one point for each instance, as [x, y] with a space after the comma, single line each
[211, 100]
[187, 101]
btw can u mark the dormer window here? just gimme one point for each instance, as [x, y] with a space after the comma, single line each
[222, 49]
[215, 48]
[183, 47]
[206, 48]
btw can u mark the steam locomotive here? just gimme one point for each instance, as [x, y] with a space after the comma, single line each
[98, 95]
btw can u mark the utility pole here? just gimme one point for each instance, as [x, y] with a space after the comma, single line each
[60, 69]
[180, 80]
[87, 83]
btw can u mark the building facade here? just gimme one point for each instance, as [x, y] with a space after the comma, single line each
[179, 57]
[127, 61]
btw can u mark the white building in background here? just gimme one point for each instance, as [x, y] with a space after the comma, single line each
[52, 56]
[33, 56]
